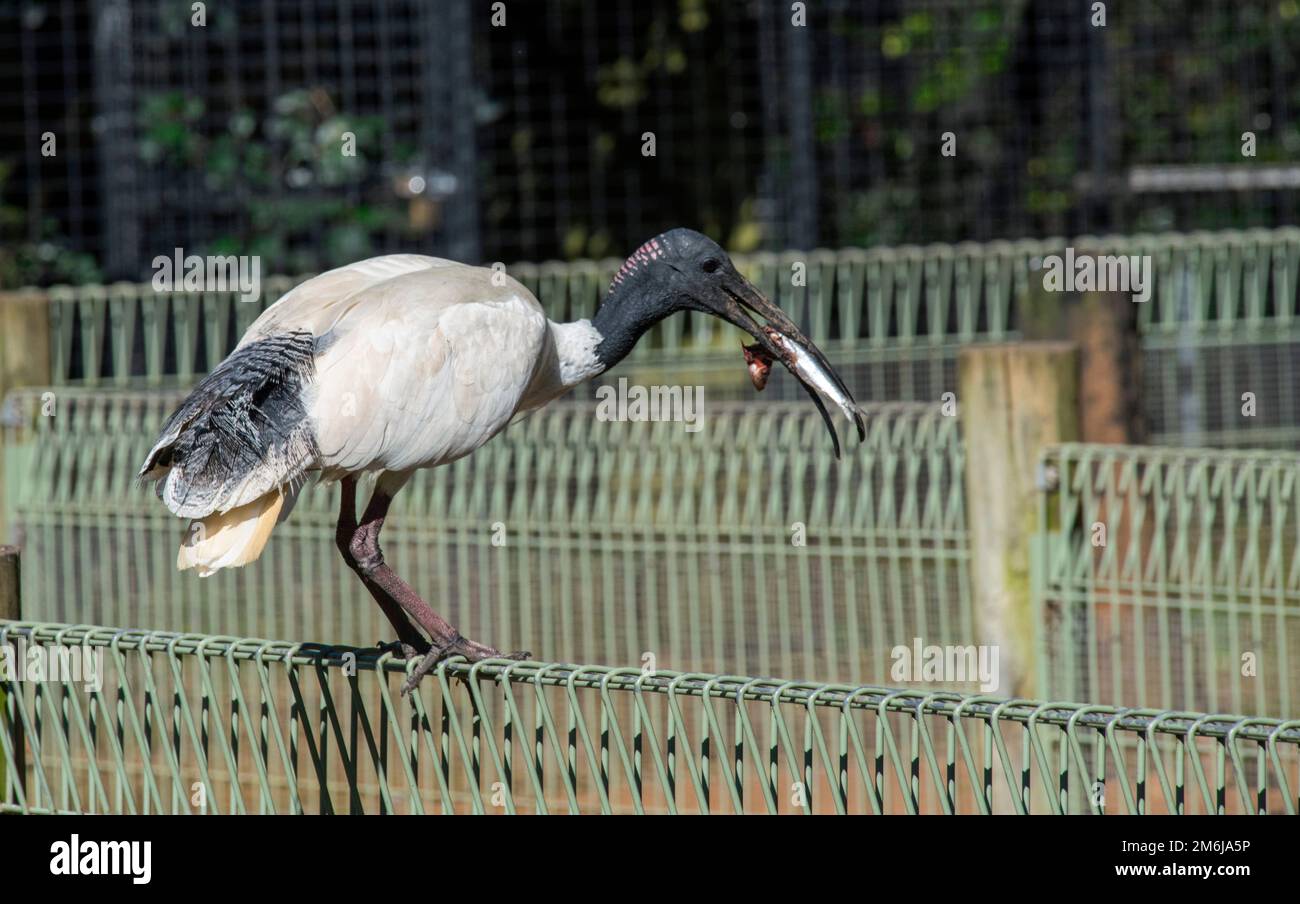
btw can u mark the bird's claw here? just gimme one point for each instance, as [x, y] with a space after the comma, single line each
[457, 646]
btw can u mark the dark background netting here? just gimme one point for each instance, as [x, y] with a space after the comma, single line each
[524, 141]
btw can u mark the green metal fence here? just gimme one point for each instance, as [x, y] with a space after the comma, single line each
[637, 542]
[744, 545]
[626, 541]
[1171, 577]
[1223, 319]
[188, 724]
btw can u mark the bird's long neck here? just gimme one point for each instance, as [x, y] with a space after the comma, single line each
[587, 348]
[633, 304]
[636, 301]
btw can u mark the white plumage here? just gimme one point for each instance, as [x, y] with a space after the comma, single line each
[420, 361]
[425, 359]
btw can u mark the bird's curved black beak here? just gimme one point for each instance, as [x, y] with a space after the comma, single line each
[780, 340]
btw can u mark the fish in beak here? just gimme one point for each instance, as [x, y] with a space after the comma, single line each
[778, 339]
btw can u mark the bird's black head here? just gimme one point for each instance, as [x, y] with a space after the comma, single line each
[684, 270]
[672, 272]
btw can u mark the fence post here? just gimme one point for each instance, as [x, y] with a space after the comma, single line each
[24, 360]
[1013, 400]
[10, 609]
[1105, 327]
[10, 592]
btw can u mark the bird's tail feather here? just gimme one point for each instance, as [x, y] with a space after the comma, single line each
[243, 431]
[230, 539]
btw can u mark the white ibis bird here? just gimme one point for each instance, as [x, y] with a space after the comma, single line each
[404, 362]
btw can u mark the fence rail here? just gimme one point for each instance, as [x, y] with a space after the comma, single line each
[1223, 319]
[188, 723]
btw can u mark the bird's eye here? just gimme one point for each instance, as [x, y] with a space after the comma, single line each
[710, 265]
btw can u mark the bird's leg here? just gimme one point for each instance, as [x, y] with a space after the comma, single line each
[446, 640]
[409, 643]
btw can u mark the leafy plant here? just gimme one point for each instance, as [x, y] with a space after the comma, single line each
[45, 261]
[294, 182]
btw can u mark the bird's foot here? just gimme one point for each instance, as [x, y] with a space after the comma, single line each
[472, 650]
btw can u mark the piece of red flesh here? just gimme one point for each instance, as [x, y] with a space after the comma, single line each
[759, 363]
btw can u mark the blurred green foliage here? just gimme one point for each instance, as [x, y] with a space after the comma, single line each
[670, 74]
[301, 190]
[45, 260]
[1180, 81]
[559, 133]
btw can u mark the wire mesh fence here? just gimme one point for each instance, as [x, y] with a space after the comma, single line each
[631, 543]
[657, 533]
[1171, 576]
[191, 724]
[477, 137]
[744, 545]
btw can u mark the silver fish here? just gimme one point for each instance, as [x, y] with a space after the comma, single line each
[804, 365]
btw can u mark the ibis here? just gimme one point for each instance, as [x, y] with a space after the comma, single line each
[403, 362]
